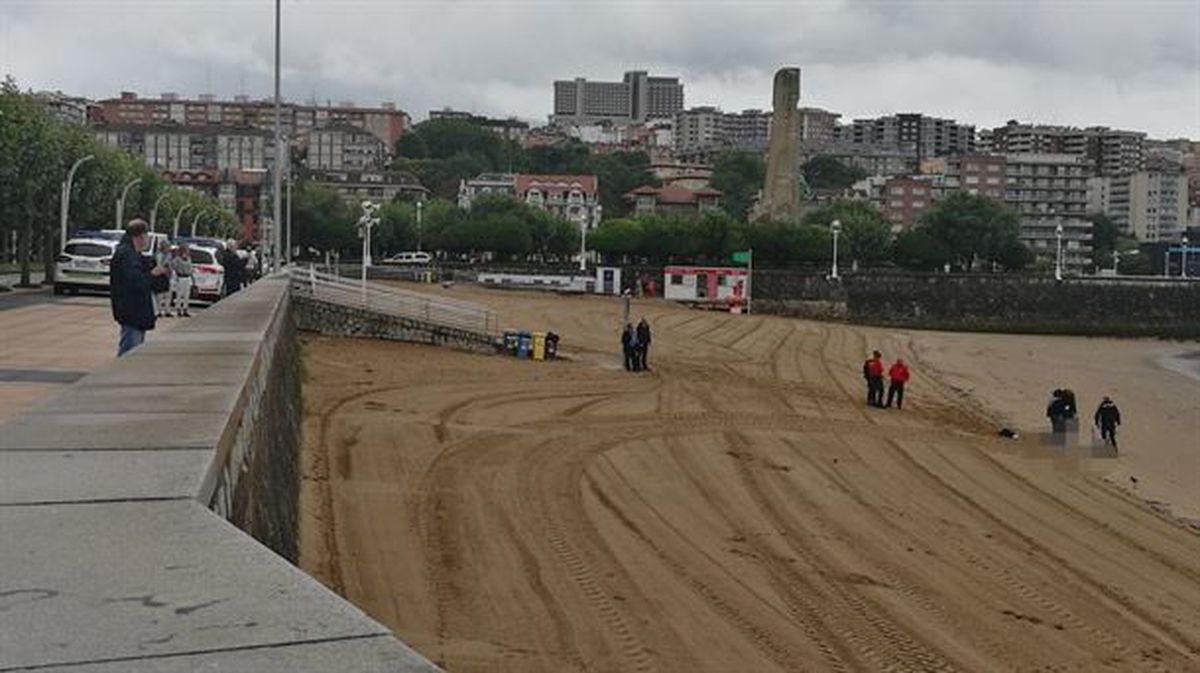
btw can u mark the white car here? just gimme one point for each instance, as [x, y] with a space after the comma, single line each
[84, 264]
[409, 258]
[208, 276]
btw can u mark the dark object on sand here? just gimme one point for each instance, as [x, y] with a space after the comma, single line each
[1008, 434]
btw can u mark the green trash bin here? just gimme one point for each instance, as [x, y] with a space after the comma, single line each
[511, 342]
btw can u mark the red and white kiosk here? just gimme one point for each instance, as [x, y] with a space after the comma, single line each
[719, 287]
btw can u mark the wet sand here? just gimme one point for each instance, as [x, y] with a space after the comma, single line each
[737, 508]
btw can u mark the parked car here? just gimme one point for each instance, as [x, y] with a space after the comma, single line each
[409, 258]
[208, 276]
[84, 264]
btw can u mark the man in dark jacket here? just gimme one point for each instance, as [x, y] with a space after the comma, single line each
[131, 287]
[643, 344]
[234, 268]
[1108, 417]
[628, 347]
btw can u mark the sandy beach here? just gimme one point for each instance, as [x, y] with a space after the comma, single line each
[738, 508]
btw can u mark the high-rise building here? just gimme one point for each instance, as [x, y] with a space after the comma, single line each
[1048, 191]
[703, 132]
[384, 122]
[341, 147]
[637, 98]
[920, 134]
[1108, 151]
[1149, 205]
[817, 125]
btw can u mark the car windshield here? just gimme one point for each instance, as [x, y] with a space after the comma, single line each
[88, 250]
[200, 256]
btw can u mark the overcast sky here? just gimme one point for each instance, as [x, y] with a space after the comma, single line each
[1131, 64]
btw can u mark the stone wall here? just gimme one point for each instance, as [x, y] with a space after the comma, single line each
[986, 302]
[335, 320]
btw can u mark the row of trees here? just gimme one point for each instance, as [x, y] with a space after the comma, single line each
[964, 231]
[37, 150]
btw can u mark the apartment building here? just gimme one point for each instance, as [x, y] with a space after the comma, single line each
[915, 133]
[674, 200]
[385, 122]
[574, 198]
[637, 98]
[509, 128]
[1048, 191]
[701, 133]
[1109, 152]
[341, 147]
[1148, 205]
[984, 175]
[904, 199]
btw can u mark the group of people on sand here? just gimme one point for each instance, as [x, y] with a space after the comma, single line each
[635, 345]
[1062, 409]
[897, 374]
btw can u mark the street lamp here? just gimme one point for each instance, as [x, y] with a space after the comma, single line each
[420, 206]
[289, 203]
[370, 218]
[836, 228]
[277, 218]
[154, 210]
[121, 201]
[1183, 257]
[1116, 261]
[196, 219]
[66, 197]
[1058, 259]
[178, 214]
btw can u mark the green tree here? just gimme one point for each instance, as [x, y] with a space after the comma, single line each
[917, 249]
[618, 173]
[823, 172]
[321, 220]
[739, 176]
[866, 234]
[620, 237]
[1104, 239]
[975, 229]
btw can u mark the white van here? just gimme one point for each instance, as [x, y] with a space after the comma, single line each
[409, 258]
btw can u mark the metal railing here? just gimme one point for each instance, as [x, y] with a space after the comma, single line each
[381, 298]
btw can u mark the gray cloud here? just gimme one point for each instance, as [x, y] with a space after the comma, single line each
[1132, 65]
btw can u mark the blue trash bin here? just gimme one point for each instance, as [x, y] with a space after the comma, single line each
[525, 344]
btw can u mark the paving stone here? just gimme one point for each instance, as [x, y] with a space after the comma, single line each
[376, 654]
[97, 398]
[95, 582]
[106, 432]
[28, 477]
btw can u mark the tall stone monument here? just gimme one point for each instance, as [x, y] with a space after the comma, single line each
[781, 199]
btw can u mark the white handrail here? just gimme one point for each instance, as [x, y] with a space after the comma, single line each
[389, 300]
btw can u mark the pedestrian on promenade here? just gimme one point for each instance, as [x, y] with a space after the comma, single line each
[131, 286]
[181, 271]
[873, 373]
[628, 347]
[643, 344]
[162, 295]
[1108, 417]
[234, 267]
[898, 375]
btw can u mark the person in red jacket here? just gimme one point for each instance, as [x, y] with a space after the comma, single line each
[899, 376]
[873, 373]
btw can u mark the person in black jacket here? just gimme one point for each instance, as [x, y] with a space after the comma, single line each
[643, 345]
[1108, 417]
[629, 347]
[234, 268]
[131, 287]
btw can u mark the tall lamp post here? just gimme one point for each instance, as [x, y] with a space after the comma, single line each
[1058, 259]
[196, 219]
[277, 219]
[836, 228]
[370, 218]
[66, 198]
[178, 214]
[1116, 261]
[1183, 257]
[288, 255]
[121, 201]
[420, 206]
[154, 210]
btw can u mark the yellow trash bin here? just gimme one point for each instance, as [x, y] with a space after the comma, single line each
[539, 345]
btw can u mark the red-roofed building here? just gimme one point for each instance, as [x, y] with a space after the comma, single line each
[575, 198]
[673, 199]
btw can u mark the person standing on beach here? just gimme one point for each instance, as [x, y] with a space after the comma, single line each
[873, 373]
[643, 344]
[898, 374]
[131, 287]
[628, 338]
[1108, 417]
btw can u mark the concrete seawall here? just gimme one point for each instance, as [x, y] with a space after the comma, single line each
[125, 503]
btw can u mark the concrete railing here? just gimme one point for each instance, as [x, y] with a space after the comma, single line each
[118, 504]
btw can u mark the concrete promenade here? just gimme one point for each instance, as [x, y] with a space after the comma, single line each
[111, 559]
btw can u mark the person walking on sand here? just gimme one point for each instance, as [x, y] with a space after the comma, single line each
[643, 344]
[898, 375]
[873, 373]
[1108, 417]
[131, 287]
[628, 337]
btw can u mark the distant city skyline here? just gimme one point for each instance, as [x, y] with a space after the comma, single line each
[1123, 65]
